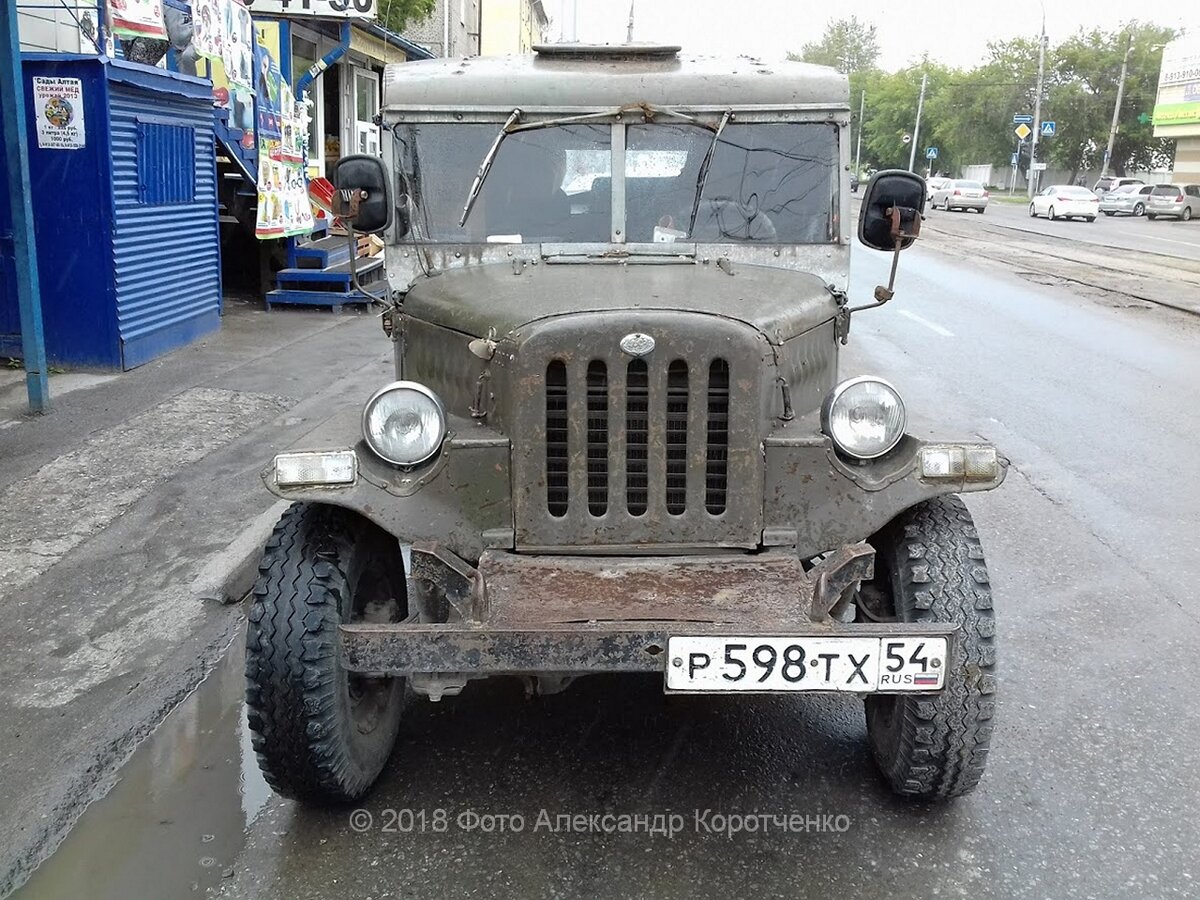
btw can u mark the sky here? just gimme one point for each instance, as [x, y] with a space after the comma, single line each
[953, 32]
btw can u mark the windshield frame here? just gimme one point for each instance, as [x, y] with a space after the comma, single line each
[708, 117]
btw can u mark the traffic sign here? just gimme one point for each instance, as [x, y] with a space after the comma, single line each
[1040, 167]
[1022, 119]
[1023, 131]
[931, 152]
[1049, 129]
[1013, 161]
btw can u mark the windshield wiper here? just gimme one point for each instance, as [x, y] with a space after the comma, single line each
[702, 178]
[486, 165]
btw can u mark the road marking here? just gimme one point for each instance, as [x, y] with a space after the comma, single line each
[932, 326]
[1155, 237]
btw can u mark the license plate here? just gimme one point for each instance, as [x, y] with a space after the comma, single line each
[857, 664]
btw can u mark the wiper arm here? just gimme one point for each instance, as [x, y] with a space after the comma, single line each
[485, 165]
[702, 178]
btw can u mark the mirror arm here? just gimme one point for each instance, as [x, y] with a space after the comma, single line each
[901, 217]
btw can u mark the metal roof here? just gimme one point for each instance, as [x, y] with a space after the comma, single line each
[606, 78]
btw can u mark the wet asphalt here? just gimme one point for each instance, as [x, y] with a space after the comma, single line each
[1092, 783]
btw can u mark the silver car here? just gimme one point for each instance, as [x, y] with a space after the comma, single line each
[960, 194]
[1174, 201]
[1127, 200]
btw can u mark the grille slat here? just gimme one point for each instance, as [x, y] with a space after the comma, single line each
[676, 437]
[637, 438]
[716, 470]
[557, 451]
[597, 437]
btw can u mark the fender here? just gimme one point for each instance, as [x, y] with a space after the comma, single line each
[819, 501]
[461, 498]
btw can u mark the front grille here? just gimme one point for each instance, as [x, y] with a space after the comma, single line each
[647, 415]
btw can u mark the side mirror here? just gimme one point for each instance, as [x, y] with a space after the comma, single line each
[891, 210]
[363, 193]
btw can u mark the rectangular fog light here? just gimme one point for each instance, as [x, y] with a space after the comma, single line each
[973, 462]
[322, 467]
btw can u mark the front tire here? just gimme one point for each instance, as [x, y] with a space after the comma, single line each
[929, 567]
[1032, 211]
[321, 734]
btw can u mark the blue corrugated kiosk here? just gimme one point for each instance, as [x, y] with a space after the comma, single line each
[126, 213]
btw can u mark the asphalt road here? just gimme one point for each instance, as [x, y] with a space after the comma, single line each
[1092, 786]
[1167, 237]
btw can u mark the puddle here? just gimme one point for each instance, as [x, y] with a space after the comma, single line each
[175, 822]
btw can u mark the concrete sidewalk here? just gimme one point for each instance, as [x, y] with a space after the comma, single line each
[126, 516]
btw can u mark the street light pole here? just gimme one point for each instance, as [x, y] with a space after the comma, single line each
[1112, 132]
[862, 105]
[912, 153]
[1037, 107]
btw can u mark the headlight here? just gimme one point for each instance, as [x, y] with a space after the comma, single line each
[404, 423]
[865, 417]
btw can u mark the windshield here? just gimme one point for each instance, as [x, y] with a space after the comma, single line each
[774, 182]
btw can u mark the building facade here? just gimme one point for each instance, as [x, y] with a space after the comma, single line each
[1177, 108]
[452, 29]
[512, 26]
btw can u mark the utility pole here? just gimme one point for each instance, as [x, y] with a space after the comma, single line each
[629, 30]
[862, 105]
[16, 186]
[912, 153]
[1112, 132]
[1037, 108]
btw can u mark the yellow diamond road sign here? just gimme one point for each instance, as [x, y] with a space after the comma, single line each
[1023, 131]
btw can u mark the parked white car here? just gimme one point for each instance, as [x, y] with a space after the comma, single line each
[960, 194]
[1065, 201]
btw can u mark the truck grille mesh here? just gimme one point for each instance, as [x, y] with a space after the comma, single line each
[653, 425]
[557, 485]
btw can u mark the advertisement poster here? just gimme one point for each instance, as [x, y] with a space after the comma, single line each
[283, 205]
[267, 92]
[209, 24]
[239, 45]
[138, 18]
[58, 105]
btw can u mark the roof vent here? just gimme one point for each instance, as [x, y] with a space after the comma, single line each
[607, 51]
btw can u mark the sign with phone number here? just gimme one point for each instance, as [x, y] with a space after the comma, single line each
[329, 9]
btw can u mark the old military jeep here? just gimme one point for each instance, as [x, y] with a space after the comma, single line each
[618, 440]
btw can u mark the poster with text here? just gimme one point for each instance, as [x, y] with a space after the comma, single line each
[239, 45]
[209, 24]
[58, 104]
[283, 205]
[138, 18]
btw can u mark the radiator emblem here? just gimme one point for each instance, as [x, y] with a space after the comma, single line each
[637, 344]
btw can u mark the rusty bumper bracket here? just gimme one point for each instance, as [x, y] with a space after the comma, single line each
[446, 587]
[599, 647]
[836, 574]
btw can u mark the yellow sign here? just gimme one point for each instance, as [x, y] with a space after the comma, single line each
[1023, 131]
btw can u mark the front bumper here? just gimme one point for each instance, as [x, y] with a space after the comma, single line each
[573, 615]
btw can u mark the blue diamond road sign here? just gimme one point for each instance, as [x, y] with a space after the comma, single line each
[931, 152]
[1049, 129]
[1022, 119]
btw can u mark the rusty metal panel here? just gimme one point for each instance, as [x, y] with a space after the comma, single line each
[578, 340]
[620, 647]
[749, 589]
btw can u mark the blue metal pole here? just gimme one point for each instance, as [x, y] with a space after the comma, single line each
[29, 297]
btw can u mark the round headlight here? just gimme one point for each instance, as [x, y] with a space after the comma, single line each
[404, 423]
[865, 417]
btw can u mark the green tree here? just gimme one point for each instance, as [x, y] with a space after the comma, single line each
[394, 15]
[848, 45]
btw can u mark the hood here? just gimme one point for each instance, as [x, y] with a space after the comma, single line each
[779, 303]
